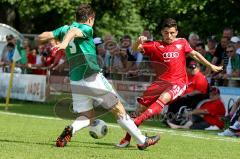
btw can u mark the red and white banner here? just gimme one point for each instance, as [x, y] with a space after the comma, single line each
[25, 87]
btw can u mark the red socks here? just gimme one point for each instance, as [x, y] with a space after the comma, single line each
[154, 109]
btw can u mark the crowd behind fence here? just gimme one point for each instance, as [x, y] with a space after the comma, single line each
[118, 61]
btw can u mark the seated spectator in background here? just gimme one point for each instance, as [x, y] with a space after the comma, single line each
[200, 47]
[147, 34]
[193, 40]
[34, 62]
[100, 51]
[207, 115]
[227, 33]
[210, 51]
[197, 82]
[211, 45]
[233, 66]
[234, 115]
[118, 61]
[236, 41]
[10, 39]
[133, 58]
[220, 54]
[50, 59]
[26, 45]
[126, 50]
[196, 92]
[220, 58]
[4, 61]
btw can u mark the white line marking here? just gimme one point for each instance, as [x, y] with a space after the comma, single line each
[154, 130]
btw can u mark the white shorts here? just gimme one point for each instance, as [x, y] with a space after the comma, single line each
[94, 90]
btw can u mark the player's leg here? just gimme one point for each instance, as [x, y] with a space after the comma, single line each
[126, 140]
[155, 108]
[128, 124]
[110, 100]
[83, 106]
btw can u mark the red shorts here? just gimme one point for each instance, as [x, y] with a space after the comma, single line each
[157, 88]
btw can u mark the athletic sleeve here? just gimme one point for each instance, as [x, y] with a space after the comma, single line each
[187, 47]
[148, 48]
[87, 31]
[60, 32]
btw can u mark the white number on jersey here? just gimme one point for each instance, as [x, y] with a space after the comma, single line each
[72, 47]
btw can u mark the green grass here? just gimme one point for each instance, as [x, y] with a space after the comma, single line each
[32, 137]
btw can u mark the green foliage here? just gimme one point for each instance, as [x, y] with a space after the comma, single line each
[117, 18]
[120, 17]
[206, 17]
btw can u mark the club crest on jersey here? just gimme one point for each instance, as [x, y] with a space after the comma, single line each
[179, 46]
[161, 46]
[170, 55]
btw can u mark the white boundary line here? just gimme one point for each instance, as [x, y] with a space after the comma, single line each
[155, 130]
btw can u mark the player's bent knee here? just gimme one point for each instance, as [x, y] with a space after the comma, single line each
[109, 100]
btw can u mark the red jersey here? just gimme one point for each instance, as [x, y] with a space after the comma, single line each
[216, 110]
[54, 57]
[31, 58]
[173, 56]
[197, 82]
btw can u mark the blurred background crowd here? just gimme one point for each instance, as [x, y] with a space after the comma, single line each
[118, 61]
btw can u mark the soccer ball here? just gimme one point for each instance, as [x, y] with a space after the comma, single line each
[98, 129]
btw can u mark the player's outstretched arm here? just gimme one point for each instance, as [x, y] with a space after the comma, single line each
[137, 46]
[197, 56]
[45, 36]
[71, 34]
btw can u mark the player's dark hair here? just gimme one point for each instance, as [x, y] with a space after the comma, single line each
[168, 23]
[83, 12]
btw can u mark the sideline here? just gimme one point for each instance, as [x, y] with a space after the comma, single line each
[155, 130]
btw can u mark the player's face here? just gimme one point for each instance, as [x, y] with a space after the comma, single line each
[91, 21]
[169, 34]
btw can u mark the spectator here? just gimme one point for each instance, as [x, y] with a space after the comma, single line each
[50, 59]
[220, 54]
[200, 47]
[233, 66]
[197, 81]
[34, 62]
[236, 41]
[4, 56]
[197, 91]
[103, 56]
[26, 45]
[193, 40]
[211, 45]
[207, 116]
[10, 52]
[227, 33]
[126, 50]
[147, 34]
[234, 115]
[118, 60]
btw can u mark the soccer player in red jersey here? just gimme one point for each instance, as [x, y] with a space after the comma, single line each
[171, 83]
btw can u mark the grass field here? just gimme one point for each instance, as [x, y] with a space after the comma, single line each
[29, 130]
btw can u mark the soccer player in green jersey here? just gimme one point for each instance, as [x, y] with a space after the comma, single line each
[88, 84]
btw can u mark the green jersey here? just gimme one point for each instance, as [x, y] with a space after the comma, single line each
[80, 52]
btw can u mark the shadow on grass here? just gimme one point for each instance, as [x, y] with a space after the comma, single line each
[25, 142]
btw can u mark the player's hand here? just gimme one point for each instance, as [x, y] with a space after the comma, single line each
[29, 65]
[216, 68]
[142, 39]
[61, 46]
